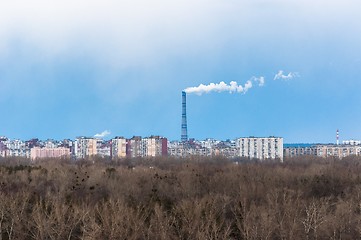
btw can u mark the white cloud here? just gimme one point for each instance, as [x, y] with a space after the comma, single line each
[289, 76]
[127, 32]
[123, 32]
[260, 81]
[103, 134]
[142, 35]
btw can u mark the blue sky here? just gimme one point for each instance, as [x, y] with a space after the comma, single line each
[70, 68]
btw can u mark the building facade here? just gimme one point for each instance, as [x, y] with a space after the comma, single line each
[16, 148]
[154, 146]
[322, 150]
[85, 147]
[49, 152]
[3, 150]
[187, 149]
[260, 148]
[118, 147]
[134, 147]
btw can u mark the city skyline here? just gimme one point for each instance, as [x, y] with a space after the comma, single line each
[80, 68]
[107, 136]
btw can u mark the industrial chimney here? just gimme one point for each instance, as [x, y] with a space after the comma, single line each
[337, 137]
[184, 135]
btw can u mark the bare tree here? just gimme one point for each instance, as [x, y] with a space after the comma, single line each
[315, 216]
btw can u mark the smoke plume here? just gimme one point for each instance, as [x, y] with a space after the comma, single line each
[232, 87]
[102, 135]
[282, 76]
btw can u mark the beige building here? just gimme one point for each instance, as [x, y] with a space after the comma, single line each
[119, 147]
[148, 147]
[85, 147]
[38, 153]
[338, 151]
[154, 146]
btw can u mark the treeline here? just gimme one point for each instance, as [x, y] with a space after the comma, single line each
[165, 198]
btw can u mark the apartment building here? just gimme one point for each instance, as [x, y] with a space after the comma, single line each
[85, 147]
[134, 148]
[152, 146]
[323, 150]
[49, 152]
[3, 150]
[16, 148]
[260, 148]
[296, 151]
[118, 147]
[187, 149]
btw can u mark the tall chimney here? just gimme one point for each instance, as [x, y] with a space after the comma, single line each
[337, 137]
[184, 135]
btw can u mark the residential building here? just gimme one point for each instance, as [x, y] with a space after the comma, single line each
[118, 147]
[49, 152]
[85, 147]
[3, 150]
[133, 148]
[299, 150]
[17, 148]
[323, 150]
[103, 148]
[260, 148]
[152, 146]
[187, 149]
[351, 142]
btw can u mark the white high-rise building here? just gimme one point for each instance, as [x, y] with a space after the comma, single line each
[260, 148]
[148, 146]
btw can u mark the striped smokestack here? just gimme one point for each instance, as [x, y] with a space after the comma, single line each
[184, 135]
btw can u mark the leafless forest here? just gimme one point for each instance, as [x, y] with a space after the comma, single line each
[196, 198]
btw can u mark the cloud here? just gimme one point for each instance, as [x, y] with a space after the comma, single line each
[232, 87]
[122, 31]
[120, 43]
[124, 34]
[282, 76]
[260, 81]
[119, 38]
[103, 134]
[117, 30]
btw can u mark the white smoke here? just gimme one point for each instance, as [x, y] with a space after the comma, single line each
[103, 134]
[232, 87]
[259, 80]
[282, 76]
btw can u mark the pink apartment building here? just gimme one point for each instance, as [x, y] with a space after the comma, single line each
[37, 152]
